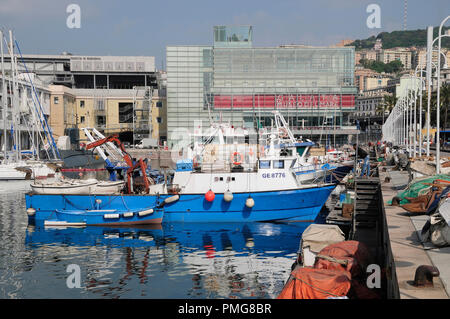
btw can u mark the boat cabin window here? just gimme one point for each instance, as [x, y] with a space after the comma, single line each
[286, 152]
[301, 150]
[264, 164]
[278, 164]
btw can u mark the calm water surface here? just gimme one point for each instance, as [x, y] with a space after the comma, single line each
[216, 260]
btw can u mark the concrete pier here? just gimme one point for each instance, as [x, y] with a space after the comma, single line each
[407, 248]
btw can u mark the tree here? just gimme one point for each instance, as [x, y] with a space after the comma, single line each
[445, 103]
[395, 66]
[386, 105]
[388, 102]
[378, 66]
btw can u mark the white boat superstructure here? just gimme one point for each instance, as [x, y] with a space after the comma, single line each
[221, 144]
[14, 171]
[266, 172]
[24, 170]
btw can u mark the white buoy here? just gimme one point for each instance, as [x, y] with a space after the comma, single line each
[145, 212]
[228, 196]
[249, 202]
[171, 199]
[111, 216]
[31, 211]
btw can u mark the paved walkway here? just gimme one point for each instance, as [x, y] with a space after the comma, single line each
[408, 250]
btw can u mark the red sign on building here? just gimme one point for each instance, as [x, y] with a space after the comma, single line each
[285, 101]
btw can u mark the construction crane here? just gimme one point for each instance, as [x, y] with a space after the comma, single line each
[140, 164]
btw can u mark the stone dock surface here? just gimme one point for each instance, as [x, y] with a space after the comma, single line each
[408, 250]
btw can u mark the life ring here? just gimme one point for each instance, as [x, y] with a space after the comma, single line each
[236, 162]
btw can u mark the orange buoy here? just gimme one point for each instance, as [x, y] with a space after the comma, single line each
[238, 160]
[209, 196]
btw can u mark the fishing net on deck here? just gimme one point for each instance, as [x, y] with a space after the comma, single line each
[419, 187]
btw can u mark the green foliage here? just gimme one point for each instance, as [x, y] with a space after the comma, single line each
[387, 104]
[378, 66]
[444, 101]
[401, 39]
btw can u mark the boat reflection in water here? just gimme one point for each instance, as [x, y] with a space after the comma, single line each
[176, 260]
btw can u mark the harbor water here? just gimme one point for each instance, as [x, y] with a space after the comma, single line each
[176, 260]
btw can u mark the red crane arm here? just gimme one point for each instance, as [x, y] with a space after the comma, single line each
[126, 157]
[115, 139]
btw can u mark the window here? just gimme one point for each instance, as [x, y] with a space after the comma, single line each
[82, 119]
[125, 112]
[101, 120]
[159, 104]
[278, 164]
[81, 103]
[100, 105]
[264, 164]
[159, 119]
[56, 100]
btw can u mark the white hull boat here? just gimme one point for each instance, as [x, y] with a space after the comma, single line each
[65, 187]
[14, 171]
[109, 187]
[25, 171]
[78, 187]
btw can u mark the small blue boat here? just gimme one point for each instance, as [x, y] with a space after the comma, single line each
[86, 216]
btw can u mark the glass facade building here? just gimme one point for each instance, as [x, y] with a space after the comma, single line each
[233, 81]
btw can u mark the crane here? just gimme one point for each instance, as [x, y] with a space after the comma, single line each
[127, 158]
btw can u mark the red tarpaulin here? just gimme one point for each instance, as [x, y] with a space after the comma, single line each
[310, 283]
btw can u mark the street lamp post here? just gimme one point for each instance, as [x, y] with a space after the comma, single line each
[421, 89]
[438, 144]
[415, 120]
[429, 79]
[429, 58]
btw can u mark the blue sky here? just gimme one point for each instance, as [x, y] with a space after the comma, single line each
[147, 27]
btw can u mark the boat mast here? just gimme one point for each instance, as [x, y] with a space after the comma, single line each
[14, 97]
[4, 97]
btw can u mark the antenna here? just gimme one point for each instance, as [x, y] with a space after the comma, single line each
[405, 14]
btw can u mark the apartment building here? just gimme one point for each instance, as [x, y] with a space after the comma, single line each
[404, 55]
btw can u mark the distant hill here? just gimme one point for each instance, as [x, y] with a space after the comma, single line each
[406, 38]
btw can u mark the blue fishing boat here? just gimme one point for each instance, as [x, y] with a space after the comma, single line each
[84, 210]
[266, 190]
[237, 182]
